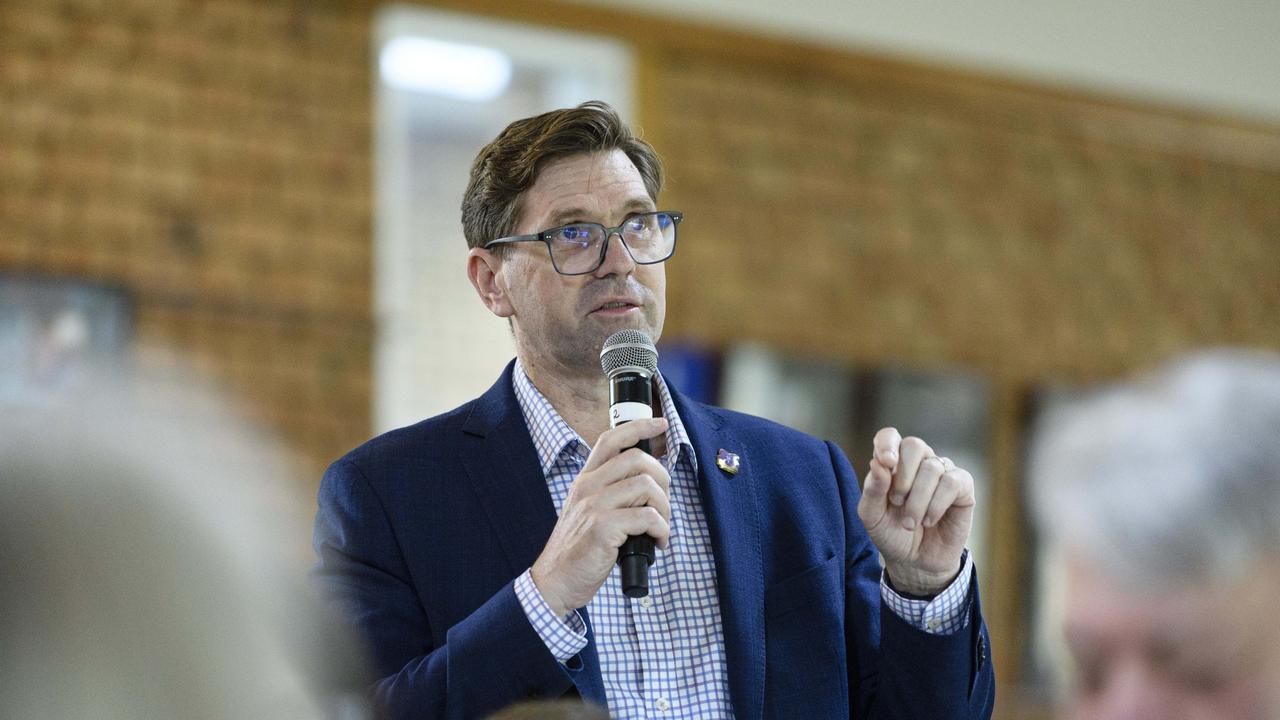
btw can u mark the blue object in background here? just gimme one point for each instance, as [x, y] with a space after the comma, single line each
[694, 370]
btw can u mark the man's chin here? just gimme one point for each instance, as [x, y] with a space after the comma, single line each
[610, 323]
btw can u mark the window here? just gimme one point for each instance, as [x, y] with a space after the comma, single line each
[447, 84]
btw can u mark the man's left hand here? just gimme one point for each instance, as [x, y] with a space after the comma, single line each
[918, 509]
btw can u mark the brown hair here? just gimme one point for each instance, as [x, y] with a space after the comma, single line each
[509, 165]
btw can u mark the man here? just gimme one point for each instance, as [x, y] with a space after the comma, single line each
[1163, 499]
[476, 550]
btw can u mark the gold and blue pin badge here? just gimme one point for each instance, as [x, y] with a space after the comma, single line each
[728, 462]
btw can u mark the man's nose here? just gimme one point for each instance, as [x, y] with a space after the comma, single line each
[617, 258]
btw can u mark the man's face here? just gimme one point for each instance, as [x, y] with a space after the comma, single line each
[1200, 651]
[563, 320]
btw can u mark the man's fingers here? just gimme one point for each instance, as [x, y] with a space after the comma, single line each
[636, 491]
[614, 441]
[634, 462]
[913, 452]
[885, 447]
[955, 488]
[630, 462]
[639, 521]
[923, 490]
[875, 494]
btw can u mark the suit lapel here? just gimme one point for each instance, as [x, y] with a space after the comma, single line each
[733, 517]
[503, 468]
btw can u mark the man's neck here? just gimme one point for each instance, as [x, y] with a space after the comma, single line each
[581, 398]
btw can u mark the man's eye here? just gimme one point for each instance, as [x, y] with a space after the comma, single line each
[574, 234]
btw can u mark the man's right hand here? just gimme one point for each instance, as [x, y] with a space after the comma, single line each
[620, 492]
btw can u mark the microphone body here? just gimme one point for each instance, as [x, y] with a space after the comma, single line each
[631, 398]
[630, 361]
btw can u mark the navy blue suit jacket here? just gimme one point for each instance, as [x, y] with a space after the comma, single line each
[421, 532]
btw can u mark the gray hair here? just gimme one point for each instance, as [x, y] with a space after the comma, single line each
[1172, 478]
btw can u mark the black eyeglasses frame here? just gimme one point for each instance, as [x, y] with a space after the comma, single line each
[544, 237]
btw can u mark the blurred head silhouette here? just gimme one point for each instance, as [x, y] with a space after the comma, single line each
[144, 567]
[551, 710]
[1162, 498]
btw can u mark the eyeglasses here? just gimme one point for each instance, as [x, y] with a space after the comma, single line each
[579, 248]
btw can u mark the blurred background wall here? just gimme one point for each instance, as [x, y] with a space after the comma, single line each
[1027, 195]
[212, 159]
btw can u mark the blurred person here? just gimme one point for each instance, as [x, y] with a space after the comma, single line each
[142, 578]
[551, 710]
[476, 550]
[1162, 498]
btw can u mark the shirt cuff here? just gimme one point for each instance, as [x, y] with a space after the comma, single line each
[945, 614]
[564, 637]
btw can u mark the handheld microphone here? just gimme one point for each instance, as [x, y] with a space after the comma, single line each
[630, 361]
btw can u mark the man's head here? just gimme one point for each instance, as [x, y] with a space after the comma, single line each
[576, 165]
[1163, 498]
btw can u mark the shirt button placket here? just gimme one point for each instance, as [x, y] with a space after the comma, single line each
[654, 656]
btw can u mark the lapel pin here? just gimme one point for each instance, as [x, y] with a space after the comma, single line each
[727, 461]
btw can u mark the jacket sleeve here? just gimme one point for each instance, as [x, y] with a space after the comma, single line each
[488, 660]
[895, 670]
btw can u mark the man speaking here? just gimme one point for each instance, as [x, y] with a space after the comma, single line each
[477, 551]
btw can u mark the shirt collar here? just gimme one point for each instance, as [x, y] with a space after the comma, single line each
[553, 438]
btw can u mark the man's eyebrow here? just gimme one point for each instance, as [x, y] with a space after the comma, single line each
[565, 216]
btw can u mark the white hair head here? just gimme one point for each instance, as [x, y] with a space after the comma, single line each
[1172, 478]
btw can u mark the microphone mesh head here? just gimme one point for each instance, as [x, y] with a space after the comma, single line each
[628, 349]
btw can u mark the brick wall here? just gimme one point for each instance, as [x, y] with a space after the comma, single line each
[214, 159]
[935, 224]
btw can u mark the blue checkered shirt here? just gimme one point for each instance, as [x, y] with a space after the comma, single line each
[663, 655]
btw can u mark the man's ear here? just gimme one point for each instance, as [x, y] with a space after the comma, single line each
[484, 270]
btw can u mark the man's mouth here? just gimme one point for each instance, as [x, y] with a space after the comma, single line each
[614, 307]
